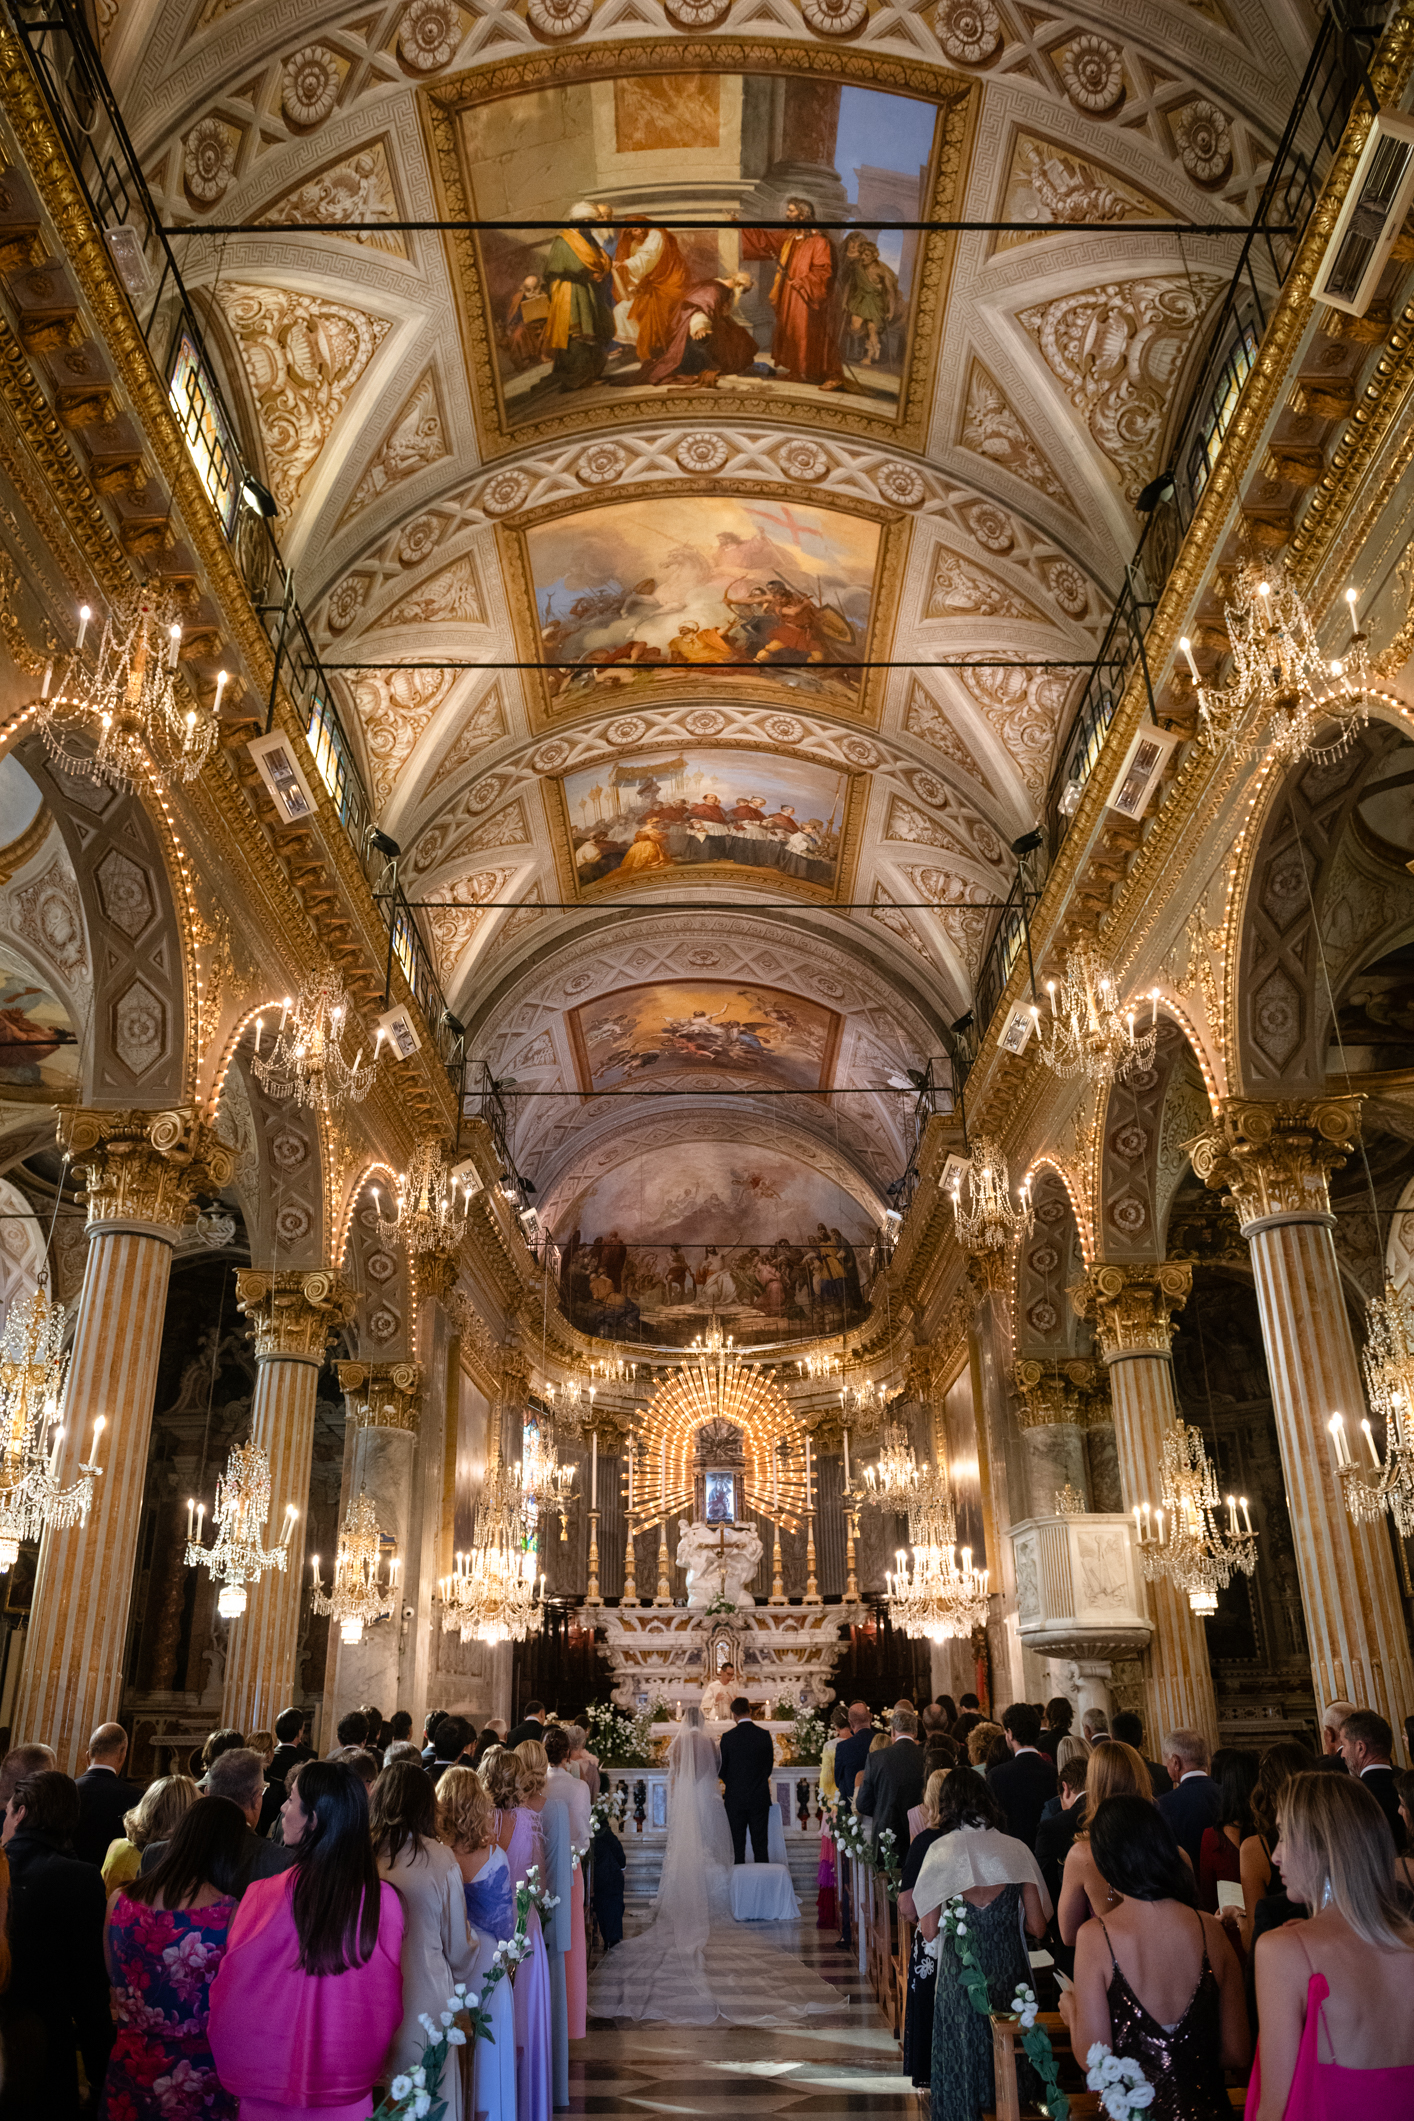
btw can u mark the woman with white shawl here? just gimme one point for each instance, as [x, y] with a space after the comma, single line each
[1001, 1883]
[695, 1963]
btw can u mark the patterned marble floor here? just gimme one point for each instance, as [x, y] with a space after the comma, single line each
[821, 2069]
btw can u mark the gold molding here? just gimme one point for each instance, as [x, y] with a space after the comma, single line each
[144, 1167]
[295, 1311]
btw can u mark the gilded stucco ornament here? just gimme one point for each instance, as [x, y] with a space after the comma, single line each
[1132, 1307]
[697, 14]
[309, 85]
[1093, 73]
[970, 31]
[429, 34]
[208, 159]
[559, 18]
[145, 1167]
[294, 1312]
[1275, 1160]
[1204, 140]
[386, 1395]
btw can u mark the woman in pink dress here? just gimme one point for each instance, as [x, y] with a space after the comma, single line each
[310, 1992]
[517, 1790]
[1335, 1994]
[574, 1795]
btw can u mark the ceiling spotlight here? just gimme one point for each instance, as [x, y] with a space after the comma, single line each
[962, 1026]
[1028, 843]
[381, 841]
[453, 1024]
[259, 497]
[1155, 493]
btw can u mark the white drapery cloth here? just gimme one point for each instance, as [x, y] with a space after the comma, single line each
[693, 1964]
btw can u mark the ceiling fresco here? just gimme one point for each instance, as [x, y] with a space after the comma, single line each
[868, 464]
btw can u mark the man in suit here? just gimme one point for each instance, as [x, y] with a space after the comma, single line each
[1333, 1716]
[852, 1752]
[1366, 1742]
[747, 1756]
[1129, 1729]
[105, 1794]
[238, 1776]
[1022, 1784]
[56, 2004]
[531, 1725]
[1195, 1802]
[289, 1752]
[1060, 1823]
[893, 1782]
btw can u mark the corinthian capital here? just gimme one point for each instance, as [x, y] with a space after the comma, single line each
[386, 1395]
[1132, 1307]
[1275, 1160]
[296, 1311]
[145, 1167]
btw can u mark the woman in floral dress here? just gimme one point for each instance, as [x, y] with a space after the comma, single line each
[165, 1938]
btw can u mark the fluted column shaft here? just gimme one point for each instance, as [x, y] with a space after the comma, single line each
[1132, 1307]
[141, 1171]
[293, 1314]
[383, 1401]
[1275, 1161]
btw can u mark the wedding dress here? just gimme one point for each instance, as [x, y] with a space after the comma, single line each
[694, 1963]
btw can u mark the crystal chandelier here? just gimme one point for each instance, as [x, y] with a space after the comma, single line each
[1388, 1483]
[1278, 665]
[613, 1369]
[989, 1221]
[491, 1594]
[893, 1480]
[544, 1481]
[1090, 1033]
[861, 1401]
[1183, 1539]
[33, 1367]
[236, 1556]
[357, 1597]
[123, 703]
[936, 1596]
[307, 1061]
[818, 1367]
[428, 1216]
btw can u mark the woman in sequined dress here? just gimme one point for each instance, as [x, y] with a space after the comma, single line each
[1156, 1981]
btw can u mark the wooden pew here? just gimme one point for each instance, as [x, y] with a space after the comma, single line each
[1006, 2045]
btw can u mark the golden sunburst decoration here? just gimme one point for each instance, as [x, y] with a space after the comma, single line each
[716, 1384]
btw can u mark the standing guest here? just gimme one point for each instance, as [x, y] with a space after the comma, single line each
[922, 1973]
[1113, 1770]
[1061, 1821]
[290, 1750]
[574, 1795]
[57, 2000]
[309, 1993]
[402, 1749]
[515, 1790]
[452, 1743]
[464, 1821]
[962, 1730]
[105, 1793]
[531, 1725]
[827, 1871]
[219, 1742]
[1094, 1724]
[236, 1776]
[555, 1918]
[351, 1729]
[1155, 1981]
[438, 1948]
[1366, 1742]
[581, 1761]
[893, 1781]
[365, 1765]
[1220, 1852]
[373, 1730]
[852, 1751]
[980, 1741]
[1072, 1747]
[1058, 1720]
[1194, 1801]
[429, 1734]
[488, 1742]
[263, 1743]
[399, 1730]
[1264, 1896]
[21, 1761]
[939, 1754]
[1333, 1715]
[153, 1818]
[165, 1938]
[1007, 1901]
[748, 1755]
[610, 1863]
[949, 1708]
[1128, 1727]
[1336, 1992]
[1024, 1783]
[1404, 1869]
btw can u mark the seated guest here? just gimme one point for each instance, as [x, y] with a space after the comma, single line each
[1022, 1784]
[1056, 1725]
[922, 1973]
[153, 1818]
[1060, 1823]
[1129, 1729]
[438, 1947]
[310, 1992]
[1336, 1992]
[165, 1938]
[1265, 1902]
[1156, 1981]
[105, 1794]
[236, 1775]
[1219, 1857]
[465, 1821]
[1366, 1742]
[57, 2002]
[893, 1780]
[1194, 1802]
[1113, 1770]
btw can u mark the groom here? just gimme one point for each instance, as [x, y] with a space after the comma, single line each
[748, 1756]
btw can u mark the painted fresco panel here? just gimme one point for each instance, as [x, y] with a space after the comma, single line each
[744, 1035]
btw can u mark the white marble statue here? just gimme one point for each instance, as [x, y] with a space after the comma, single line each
[718, 1561]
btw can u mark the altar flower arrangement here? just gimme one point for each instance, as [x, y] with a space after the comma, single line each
[610, 1808]
[621, 1740]
[410, 2096]
[1124, 2089]
[806, 1736]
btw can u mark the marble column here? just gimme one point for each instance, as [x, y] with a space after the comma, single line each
[293, 1314]
[1274, 1163]
[384, 1402]
[142, 1172]
[1132, 1309]
[1052, 1422]
[1002, 1464]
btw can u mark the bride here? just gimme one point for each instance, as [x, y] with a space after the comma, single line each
[694, 1963]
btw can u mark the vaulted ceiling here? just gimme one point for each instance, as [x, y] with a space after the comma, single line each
[944, 463]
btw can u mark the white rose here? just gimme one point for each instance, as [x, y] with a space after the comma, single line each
[447, 2017]
[457, 2037]
[1141, 2094]
[401, 2086]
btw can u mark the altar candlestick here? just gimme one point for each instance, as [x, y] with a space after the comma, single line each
[594, 1471]
[191, 1512]
[846, 1457]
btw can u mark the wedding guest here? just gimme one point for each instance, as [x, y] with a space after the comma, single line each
[1023, 1783]
[20, 1761]
[488, 1742]
[1366, 1742]
[217, 1743]
[517, 1789]
[1058, 1719]
[852, 1750]
[980, 1740]
[465, 1822]
[402, 1749]
[1336, 1992]
[1072, 1747]
[309, 1993]
[453, 1739]
[290, 1750]
[1156, 1981]
[827, 1872]
[1128, 1726]
[1113, 1770]
[949, 1708]
[531, 1725]
[262, 1743]
[351, 1729]
[1094, 1725]
[609, 1863]
[939, 1754]
[1404, 1868]
[429, 1735]
[373, 1730]
[556, 1840]
[1219, 1856]
[1061, 1821]
[922, 1973]
[893, 1781]
[365, 1765]
[399, 1731]
[1194, 1802]
[153, 1818]
[236, 1775]
[1333, 1717]
[438, 1949]
[1264, 1897]
[574, 1795]
[581, 1761]
[1007, 1900]
[165, 1938]
[57, 1999]
[105, 1793]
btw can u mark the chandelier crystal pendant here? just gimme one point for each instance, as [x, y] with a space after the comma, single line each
[359, 1595]
[236, 1556]
[307, 1061]
[989, 1222]
[428, 1217]
[546, 1482]
[1385, 1485]
[1183, 1539]
[116, 716]
[491, 1595]
[938, 1596]
[1090, 1032]
[33, 1369]
[1278, 667]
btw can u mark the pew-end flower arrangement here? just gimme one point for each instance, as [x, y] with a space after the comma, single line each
[1125, 2091]
[1035, 2040]
[852, 1838]
[412, 2096]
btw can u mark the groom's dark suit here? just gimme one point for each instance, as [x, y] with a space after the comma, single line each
[747, 1756]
